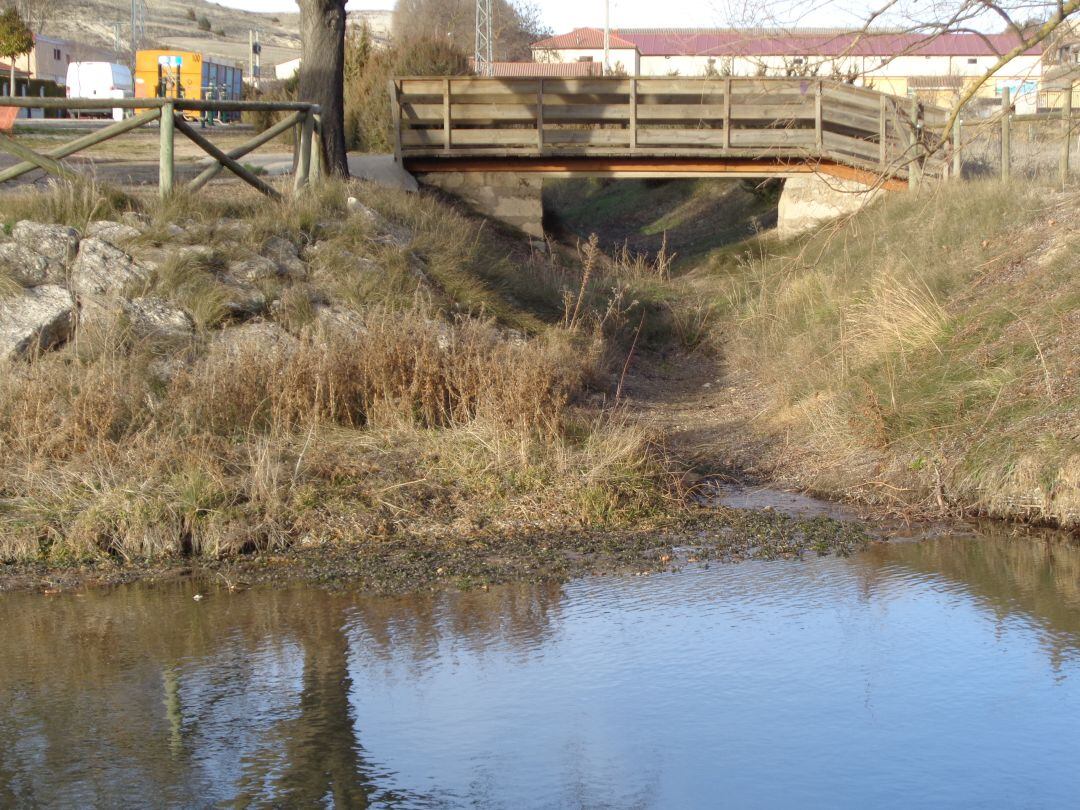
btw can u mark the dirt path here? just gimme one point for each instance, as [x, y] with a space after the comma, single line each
[703, 413]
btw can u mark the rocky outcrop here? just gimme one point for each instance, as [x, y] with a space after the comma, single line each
[57, 243]
[116, 234]
[27, 266]
[285, 256]
[35, 320]
[253, 268]
[102, 272]
[155, 318]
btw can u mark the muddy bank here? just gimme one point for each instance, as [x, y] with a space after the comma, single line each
[402, 563]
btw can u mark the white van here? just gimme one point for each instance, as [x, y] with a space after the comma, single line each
[100, 80]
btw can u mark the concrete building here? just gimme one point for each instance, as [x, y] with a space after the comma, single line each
[50, 57]
[936, 68]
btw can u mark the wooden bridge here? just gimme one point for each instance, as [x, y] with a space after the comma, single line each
[649, 127]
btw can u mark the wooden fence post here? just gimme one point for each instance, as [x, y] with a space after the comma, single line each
[540, 116]
[1066, 132]
[1006, 132]
[882, 132]
[446, 115]
[633, 112]
[166, 156]
[303, 163]
[957, 141]
[914, 168]
[819, 133]
[395, 114]
[727, 112]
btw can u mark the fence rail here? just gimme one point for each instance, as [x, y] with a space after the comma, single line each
[798, 119]
[168, 114]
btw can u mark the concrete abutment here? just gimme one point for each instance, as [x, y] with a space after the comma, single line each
[514, 199]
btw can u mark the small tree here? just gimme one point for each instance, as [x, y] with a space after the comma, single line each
[191, 14]
[205, 24]
[15, 39]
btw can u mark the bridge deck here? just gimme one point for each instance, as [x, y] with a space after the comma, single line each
[646, 126]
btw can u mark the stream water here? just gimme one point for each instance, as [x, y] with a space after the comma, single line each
[938, 673]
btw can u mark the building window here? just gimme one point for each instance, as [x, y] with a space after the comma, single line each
[584, 58]
[798, 60]
[56, 54]
[973, 61]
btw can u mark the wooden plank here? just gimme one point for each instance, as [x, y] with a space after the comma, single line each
[691, 87]
[92, 139]
[195, 137]
[771, 112]
[562, 137]
[835, 142]
[766, 138]
[250, 146]
[850, 117]
[855, 96]
[494, 137]
[586, 112]
[666, 112]
[579, 86]
[9, 144]
[634, 119]
[447, 121]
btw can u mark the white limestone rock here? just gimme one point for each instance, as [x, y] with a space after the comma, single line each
[35, 320]
[154, 318]
[102, 271]
[57, 243]
[28, 267]
[116, 234]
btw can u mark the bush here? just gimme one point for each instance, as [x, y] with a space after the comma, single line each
[191, 14]
[204, 23]
[368, 122]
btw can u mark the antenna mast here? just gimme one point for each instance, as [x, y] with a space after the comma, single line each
[482, 56]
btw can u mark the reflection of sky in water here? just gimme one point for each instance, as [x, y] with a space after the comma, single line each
[944, 673]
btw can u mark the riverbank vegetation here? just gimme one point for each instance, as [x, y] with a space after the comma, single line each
[921, 356]
[388, 384]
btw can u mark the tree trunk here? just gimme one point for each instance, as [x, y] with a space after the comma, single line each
[322, 74]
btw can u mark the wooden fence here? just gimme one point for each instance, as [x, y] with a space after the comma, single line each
[169, 115]
[748, 118]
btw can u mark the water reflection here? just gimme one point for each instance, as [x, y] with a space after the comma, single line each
[915, 671]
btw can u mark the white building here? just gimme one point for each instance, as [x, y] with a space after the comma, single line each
[935, 67]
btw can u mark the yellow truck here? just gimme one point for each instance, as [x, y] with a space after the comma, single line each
[187, 74]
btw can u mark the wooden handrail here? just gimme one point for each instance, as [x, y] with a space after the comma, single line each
[798, 118]
[192, 104]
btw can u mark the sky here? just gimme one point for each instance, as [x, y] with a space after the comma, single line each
[564, 15]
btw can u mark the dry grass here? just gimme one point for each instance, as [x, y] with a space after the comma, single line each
[923, 355]
[416, 412]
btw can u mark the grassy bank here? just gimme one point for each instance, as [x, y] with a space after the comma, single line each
[396, 387]
[922, 355]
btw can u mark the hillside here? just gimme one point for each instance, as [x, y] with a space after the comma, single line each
[167, 23]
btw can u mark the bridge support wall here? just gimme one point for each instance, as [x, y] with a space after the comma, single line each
[809, 200]
[514, 199]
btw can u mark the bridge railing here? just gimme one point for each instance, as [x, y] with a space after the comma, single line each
[723, 117]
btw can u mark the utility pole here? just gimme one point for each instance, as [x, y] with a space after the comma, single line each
[254, 58]
[607, 37]
[482, 57]
[134, 34]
